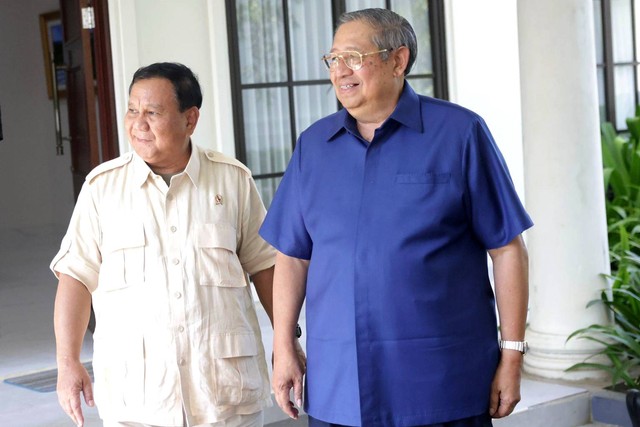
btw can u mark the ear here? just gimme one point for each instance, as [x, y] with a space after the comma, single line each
[401, 58]
[192, 115]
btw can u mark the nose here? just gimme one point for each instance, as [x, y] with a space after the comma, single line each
[341, 68]
[140, 123]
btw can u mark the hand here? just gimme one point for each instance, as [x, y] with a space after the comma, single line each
[505, 389]
[74, 379]
[288, 369]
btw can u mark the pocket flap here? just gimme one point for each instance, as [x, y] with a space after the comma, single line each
[234, 345]
[423, 178]
[122, 235]
[217, 236]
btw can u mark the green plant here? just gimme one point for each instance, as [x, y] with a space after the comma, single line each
[621, 340]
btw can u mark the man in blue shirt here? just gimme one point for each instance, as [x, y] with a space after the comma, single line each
[383, 221]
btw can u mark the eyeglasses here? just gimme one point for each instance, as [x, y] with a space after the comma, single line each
[351, 58]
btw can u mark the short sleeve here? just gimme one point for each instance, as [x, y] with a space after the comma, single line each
[254, 253]
[79, 255]
[494, 208]
[284, 227]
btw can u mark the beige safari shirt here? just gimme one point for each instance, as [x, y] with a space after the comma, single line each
[175, 320]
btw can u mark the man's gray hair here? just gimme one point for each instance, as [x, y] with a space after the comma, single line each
[391, 31]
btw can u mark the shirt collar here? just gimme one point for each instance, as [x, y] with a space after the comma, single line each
[407, 113]
[192, 170]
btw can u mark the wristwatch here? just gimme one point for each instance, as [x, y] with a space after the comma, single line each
[521, 346]
[298, 330]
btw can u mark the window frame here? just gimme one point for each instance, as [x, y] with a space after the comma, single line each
[608, 66]
[438, 74]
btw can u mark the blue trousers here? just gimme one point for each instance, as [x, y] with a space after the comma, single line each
[478, 421]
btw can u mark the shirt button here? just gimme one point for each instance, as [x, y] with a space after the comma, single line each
[175, 261]
[181, 362]
[169, 197]
[178, 295]
[174, 228]
[181, 328]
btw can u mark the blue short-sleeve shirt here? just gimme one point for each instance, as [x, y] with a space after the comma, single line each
[401, 326]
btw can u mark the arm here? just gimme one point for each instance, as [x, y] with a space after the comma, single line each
[511, 272]
[70, 319]
[263, 282]
[289, 288]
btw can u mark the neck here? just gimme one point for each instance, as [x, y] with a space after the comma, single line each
[368, 130]
[177, 164]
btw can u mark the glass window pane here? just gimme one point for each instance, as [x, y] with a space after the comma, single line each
[597, 15]
[352, 5]
[625, 95]
[311, 31]
[417, 13]
[261, 41]
[267, 129]
[313, 103]
[267, 188]
[422, 86]
[601, 97]
[622, 32]
[636, 22]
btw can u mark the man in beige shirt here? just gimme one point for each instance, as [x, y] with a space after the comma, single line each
[161, 241]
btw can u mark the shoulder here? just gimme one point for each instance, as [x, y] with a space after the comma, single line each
[110, 165]
[326, 127]
[448, 108]
[216, 157]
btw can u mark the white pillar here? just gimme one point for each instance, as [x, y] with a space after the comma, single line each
[568, 248]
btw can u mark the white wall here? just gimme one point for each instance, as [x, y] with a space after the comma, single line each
[147, 31]
[484, 73]
[35, 184]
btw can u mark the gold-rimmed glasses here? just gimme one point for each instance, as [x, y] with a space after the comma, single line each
[351, 58]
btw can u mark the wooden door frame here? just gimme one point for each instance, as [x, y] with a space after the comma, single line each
[108, 126]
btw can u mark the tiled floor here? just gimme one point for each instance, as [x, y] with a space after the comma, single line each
[27, 290]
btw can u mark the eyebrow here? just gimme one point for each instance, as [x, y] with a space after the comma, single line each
[152, 106]
[347, 49]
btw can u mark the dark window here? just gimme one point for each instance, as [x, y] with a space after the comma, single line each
[279, 84]
[617, 59]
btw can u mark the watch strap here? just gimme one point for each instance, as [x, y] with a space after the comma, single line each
[521, 346]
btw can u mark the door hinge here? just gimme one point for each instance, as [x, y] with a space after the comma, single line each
[88, 18]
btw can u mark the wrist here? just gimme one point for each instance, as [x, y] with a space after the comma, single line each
[515, 346]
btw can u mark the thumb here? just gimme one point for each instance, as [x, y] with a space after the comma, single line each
[494, 402]
[87, 391]
[297, 392]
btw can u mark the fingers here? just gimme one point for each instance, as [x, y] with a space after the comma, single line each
[502, 404]
[282, 398]
[71, 406]
[73, 380]
[76, 411]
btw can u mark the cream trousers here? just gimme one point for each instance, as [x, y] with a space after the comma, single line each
[251, 420]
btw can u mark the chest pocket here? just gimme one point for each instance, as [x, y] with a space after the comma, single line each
[123, 255]
[218, 263]
[423, 178]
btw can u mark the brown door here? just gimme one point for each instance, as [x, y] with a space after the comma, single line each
[89, 79]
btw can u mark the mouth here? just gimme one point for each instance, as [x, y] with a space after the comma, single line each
[348, 86]
[141, 140]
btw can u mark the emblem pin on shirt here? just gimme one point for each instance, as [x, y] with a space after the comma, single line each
[218, 199]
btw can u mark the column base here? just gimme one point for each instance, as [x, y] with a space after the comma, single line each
[551, 355]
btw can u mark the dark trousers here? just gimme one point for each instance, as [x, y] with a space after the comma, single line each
[478, 421]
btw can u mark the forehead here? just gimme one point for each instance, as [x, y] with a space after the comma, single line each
[354, 35]
[154, 90]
